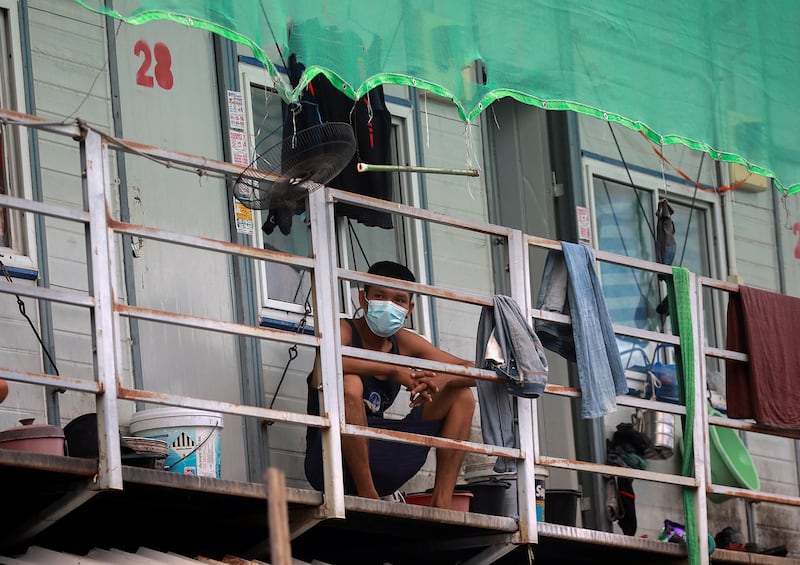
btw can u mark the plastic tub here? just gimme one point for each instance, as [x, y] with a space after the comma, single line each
[731, 464]
[192, 437]
[461, 500]
[40, 438]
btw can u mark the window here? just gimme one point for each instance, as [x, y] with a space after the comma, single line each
[624, 223]
[284, 289]
[16, 235]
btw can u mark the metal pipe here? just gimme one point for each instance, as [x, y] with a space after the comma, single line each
[54, 381]
[269, 414]
[101, 263]
[782, 280]
[432, 441]
[45, 310]
[603, 469]
[129, 273]
[372, 168]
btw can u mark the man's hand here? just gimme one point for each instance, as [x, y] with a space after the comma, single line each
[427, 384]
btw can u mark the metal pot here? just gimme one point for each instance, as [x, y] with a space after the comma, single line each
[660, 428]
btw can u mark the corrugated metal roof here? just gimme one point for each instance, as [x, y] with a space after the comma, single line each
[143, 556]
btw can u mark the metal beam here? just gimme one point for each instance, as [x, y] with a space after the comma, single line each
[102, 270]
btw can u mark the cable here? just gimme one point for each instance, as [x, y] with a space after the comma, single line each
[691, 208]
[622, 239]
[21, 306]
[633, 185]
[97, 76]
[354, 235]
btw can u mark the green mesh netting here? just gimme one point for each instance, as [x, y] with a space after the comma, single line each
[716, 75]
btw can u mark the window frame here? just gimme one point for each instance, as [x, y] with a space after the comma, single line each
[20, 257]
[679, 191]
[285, 315]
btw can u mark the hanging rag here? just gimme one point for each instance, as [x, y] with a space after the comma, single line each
[570, 286]
[666, 245]
[626, 448]
[665, 233]
[507, 344]
[765, 325]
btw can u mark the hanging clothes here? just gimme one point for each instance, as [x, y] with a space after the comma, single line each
[626, 448]
[570, 286]
[765, 325]
[506, 344]
[372, 126]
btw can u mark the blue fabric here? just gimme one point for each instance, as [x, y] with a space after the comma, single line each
[507, 344]
[570, 286]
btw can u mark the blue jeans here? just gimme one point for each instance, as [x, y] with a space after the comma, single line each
[570, 286]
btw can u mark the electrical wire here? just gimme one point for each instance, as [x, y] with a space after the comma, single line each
[96, 77]
[691, 208]
[21, 306]
[633, 185]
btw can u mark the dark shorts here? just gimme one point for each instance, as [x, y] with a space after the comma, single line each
[392, 463]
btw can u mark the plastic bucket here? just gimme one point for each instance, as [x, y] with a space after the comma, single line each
[541, 476]
[562, 506]
[192, 436]
[488, 496]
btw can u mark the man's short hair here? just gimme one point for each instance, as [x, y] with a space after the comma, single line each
[392, 270]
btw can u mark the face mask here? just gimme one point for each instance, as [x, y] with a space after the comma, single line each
[384, 317]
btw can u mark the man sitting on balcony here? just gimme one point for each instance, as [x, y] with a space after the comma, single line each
[441, 404]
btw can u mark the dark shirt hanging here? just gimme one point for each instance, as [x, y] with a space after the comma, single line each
[372, 126]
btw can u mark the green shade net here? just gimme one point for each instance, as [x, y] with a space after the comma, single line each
[716, 75]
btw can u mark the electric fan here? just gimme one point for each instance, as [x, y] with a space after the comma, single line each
[303, 161]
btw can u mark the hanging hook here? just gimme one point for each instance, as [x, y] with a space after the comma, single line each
[787, 222]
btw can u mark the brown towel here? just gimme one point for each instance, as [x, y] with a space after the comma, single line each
[766, 326]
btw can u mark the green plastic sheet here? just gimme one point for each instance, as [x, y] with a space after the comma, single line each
[719, 76]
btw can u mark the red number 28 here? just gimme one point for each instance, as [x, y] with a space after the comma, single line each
[162, 69]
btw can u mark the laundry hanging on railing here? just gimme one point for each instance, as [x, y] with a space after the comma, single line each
[765, 325]
[570, 286]
[507, 344]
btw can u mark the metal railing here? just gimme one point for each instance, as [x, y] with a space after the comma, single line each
[107, 313]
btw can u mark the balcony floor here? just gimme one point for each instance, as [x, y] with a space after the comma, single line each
[48, 501]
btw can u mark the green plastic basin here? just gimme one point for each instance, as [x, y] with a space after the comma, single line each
[731, 464]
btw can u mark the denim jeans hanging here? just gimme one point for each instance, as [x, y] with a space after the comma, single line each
[570, 286]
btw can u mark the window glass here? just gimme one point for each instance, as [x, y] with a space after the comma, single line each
[283, 283]
[623, 227]
[625, 220]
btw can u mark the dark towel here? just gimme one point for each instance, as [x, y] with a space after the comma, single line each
[765, 325]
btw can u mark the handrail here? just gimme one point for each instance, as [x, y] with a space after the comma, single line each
[101, 299]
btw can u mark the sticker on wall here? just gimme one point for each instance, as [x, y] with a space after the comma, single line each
[584, 223]
[240, 154]
[235, 110]
[244, 218]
